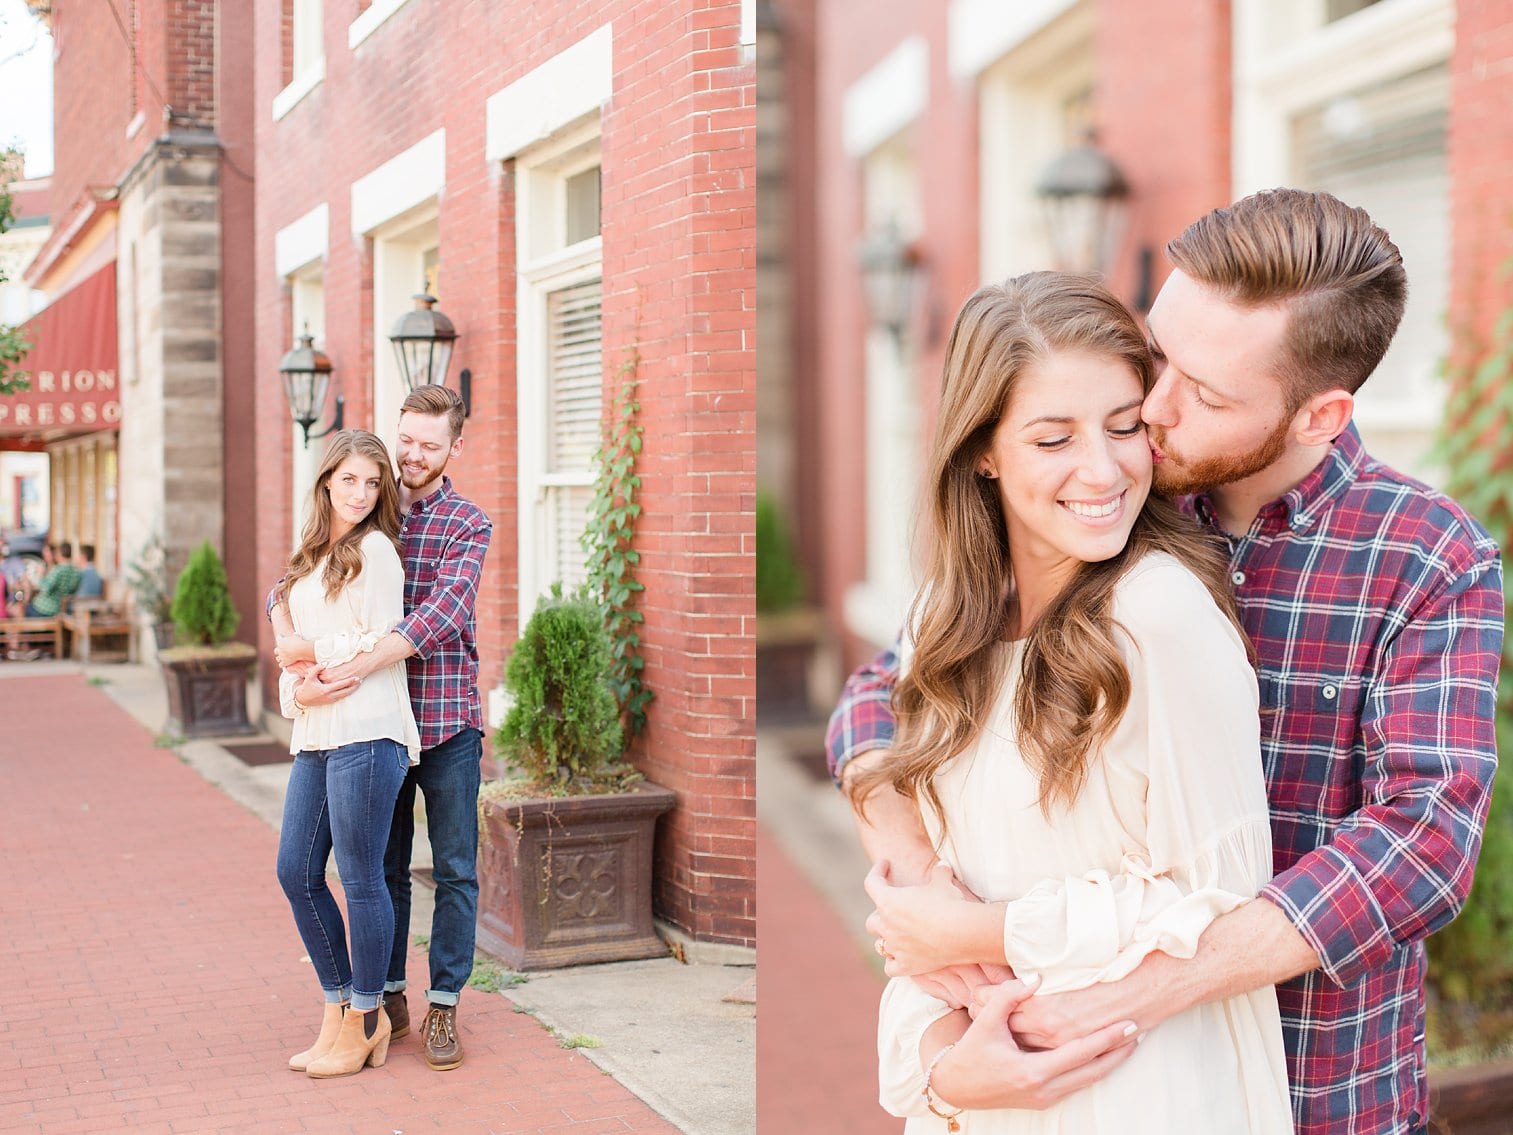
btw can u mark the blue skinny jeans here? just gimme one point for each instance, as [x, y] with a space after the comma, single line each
[342, 799]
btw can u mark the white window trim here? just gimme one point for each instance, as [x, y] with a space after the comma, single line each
[305, 462]
[371, 20]
[299, 86]
[748, 23]
[1373, 45]
[892, 94]
[405, 181]
[981, 32]
[302, 242]
[536, 277]
[576, 81]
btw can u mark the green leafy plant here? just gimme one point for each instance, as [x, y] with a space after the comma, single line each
[1470, 965]
[779, 579]
[609, 540]
[13, 344]
[203, 614]
[146, 577]
[563, 728]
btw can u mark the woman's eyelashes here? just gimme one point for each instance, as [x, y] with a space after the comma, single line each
[1121, 432]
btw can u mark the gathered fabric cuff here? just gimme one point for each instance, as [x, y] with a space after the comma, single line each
[1076, 932]
[904, 1015]
[343, 646]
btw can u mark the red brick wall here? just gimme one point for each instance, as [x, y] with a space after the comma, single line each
[679, 269]
[1481, 169]
[1168, 127]
[93, 101]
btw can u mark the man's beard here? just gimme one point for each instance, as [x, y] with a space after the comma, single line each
[432, 472]
[1176, 478]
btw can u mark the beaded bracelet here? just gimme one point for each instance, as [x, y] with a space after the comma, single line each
[952, 1124]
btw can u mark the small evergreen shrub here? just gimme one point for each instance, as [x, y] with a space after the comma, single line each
[203, 614]
[563, 729]
[779, 579]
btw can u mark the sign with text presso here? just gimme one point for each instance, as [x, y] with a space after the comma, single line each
[72, 364]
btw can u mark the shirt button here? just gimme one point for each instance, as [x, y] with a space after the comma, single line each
[1330, 692]
[1238, 578]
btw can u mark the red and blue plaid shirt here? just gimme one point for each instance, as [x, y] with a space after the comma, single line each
[1376, 608]
[444, 539]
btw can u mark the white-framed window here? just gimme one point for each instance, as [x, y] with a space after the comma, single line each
[874, 607]
[1353, 98]
[1035, 101]
[307, 54]
[307, 312]
[406, 262]
[560, 353]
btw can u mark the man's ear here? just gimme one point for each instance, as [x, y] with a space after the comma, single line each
[1323, 417]
[456, 450]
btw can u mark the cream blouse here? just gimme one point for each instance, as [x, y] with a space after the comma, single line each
[362, 613]
[1169, 831]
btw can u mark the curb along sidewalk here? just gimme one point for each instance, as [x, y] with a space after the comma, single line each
[161, 987]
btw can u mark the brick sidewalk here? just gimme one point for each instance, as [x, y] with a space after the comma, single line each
[816, 1012]
[154, 981]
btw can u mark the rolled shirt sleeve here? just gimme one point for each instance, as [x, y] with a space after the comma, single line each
[863, 719]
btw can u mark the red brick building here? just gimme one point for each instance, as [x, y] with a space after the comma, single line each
[574, 183]
[935, 121]
[142, 360]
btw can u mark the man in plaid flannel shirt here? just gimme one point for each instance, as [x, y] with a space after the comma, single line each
[444, 540]
[1375, 606]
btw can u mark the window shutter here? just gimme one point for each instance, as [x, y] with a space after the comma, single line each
[575, 404]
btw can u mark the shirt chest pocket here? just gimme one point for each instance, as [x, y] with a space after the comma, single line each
[421, 573]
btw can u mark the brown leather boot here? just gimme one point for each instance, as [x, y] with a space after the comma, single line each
[399, 1014]
[443, 1047]
[354, 1047]
[330, 1025]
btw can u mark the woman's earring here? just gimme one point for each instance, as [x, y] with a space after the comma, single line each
[987, 473]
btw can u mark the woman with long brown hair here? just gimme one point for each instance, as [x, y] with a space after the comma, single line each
[1078, 726]
[344, 591]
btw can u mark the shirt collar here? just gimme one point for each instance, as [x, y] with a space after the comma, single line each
[1301, 506]
[437, 496]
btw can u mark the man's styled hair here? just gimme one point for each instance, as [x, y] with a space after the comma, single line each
[436, 400]
[1338, 273]
[89, 552]
[65, 550]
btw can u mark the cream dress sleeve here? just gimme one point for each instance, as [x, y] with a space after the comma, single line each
[1193, 712]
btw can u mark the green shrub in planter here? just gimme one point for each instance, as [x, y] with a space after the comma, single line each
[563, 728]
[779, 579]
[203, 614]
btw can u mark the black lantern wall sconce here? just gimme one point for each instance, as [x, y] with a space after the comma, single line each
[307, 375]
[423, 340]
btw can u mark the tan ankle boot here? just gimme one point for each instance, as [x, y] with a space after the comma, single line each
[330, 1025]
[353, 1048]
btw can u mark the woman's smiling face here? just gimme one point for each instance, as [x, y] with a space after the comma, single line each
[1072, 461]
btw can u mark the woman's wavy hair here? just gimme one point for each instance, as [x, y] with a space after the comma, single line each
[343, 559]
[1073, 686]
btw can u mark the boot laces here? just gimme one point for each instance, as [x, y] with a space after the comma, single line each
[439, 1027]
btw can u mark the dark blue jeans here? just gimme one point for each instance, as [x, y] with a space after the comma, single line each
[448, 777]
[342, 799]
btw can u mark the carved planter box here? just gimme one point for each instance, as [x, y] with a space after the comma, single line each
[567, 881]
[207, 689]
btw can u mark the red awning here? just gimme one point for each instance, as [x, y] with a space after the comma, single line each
[72, 363]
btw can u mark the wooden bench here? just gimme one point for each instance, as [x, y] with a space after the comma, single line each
[97, 619]
[22, 635]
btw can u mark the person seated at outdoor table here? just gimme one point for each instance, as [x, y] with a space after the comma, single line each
[91, 585]
[61, 581]
[13, 577]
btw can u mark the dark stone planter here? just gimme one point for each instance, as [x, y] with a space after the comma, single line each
[567, 881]
[1477, 1100]
[207, 689]
[785, 648]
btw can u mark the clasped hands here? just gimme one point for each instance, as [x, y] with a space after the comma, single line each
[319, 685]
[1019, 1050]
